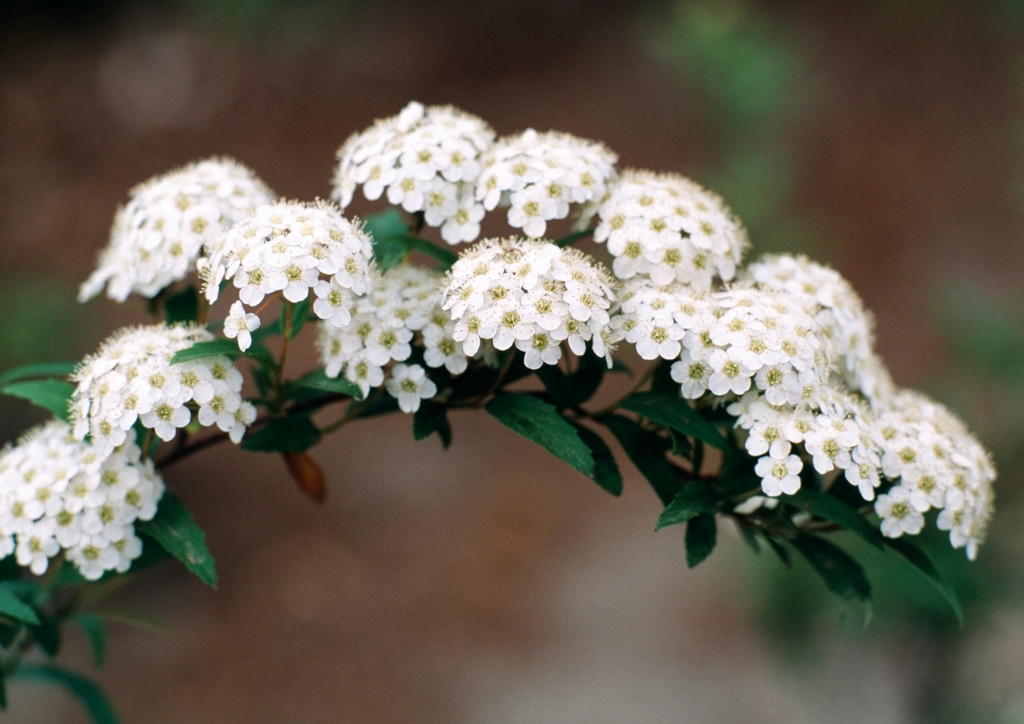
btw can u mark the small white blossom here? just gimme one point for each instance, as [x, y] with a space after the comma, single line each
[897, 514]
[240, 324]
[779, 476]
[409, 384]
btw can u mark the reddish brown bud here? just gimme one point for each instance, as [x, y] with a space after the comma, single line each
[307, 474]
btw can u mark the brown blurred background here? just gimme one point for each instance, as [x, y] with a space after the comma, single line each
[489, 583]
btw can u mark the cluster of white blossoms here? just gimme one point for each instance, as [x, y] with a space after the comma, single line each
[669, 229]
[427, 159]
[530, 294]
[131, 379]
[58, 493]
[158, 235]
[403, 302]
[540, 175]
[285, 247]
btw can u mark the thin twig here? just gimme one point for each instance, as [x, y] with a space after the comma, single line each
[636, 386]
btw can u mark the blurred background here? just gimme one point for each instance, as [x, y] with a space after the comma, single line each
[488, 583]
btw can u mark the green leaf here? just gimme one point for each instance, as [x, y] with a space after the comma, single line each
[435, 252]
[52, 395]
[174, 528]
[300, 314]
[47, 634]
[780, 550]
[573, 237]
[387, 223]
[606, 470]
[430, 418]
[213, 348]
[42, 369]
[318, 380]
[695, 498]
[392, 242]
[673, 411]
[3, 690]
[701, 537]
[389, 253]
[96, 632]
[183, 306]
[295, 433]
[842, 575]
[85, 690]
[13, 607]
[832, 509]
[737, 474]
[646, 450]
[919, 559]
[539, 421]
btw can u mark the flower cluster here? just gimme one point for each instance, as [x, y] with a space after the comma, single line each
[847, 324]
[58, 493]
[427, 159]
[669, 229]
[539, 175]
[285, 247]
[158, 235]
[532, 294]
[403, 302]
[131, 379]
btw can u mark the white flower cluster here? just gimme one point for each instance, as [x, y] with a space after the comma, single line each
[847, 324]
[669, 229]
[58, 493]
[160, 232]
[285, 247]
[539, 175]
[131, 379]
[427, 159]
[532, 294]
[403, 302]
[937, 464]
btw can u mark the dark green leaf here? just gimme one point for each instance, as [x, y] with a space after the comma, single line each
[317, 380]
[47, 634]
[414, 243]
[201, 350]
[430, 418]
[829, 508]
[3, 690]
[97, 635]
[299, 312]
[780, 550]
[43, 369]
[183, 306]
[606, 471]
[539, 421]
[701, 536]
[52, 395]
[385, 224]
[295, 433]
[8, 631]
[392, 242]
[842, 575]
[695, 498]
[389, 253]
[647, 451]
[87, 691]
[918, 558]
[13, 607]
[673, 411]
[680, 444]
[750, 538]
[376, 406]
[174, 528]
[737, 474]
[572, 238]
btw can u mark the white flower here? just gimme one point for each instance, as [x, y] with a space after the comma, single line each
[131, 378]
[57, 492]
[667, 228]
[427, 159]
[158, 235]
[539, 175]
[897, 514]
[779, 476]
[409, 384]
[241, 325]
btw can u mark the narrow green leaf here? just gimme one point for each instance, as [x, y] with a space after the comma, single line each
[675, 412]
[573, 237]
[430, 418]
[183, 306]
[435, 252]
[295, 433]
[606, 470]
[47, 634]
[85, 690]
[96, 632]
[300, 314]
[42, 369]
[389, 253]
[842, 575]
[780, 550]
[13, 607]
[701, 537]
[737, 474]
[834, 510]
[213, 348]
[317, 380]
[3, 689]
[647, 452]
[695, 498]
[52, 395]
[540, 422]
[919, 559]
[174, 528]
[386, 223]
[8, 631]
